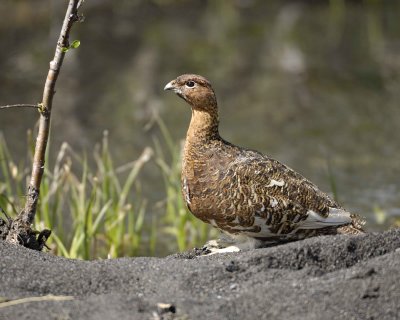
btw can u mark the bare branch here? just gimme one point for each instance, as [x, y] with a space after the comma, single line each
[21, 231]
[21, 105]
[44, 123]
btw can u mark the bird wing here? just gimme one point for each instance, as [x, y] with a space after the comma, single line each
[282, 197]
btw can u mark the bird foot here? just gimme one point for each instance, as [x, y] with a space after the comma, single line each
[218, 246]
[228, 244]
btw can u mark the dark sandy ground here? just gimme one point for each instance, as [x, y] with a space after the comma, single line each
[330, 277]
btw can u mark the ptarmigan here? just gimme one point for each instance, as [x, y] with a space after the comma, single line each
[250, 197]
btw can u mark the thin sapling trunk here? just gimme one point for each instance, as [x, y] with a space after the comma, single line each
[19, 230]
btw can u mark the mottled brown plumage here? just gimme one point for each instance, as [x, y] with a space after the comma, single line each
[241, 191]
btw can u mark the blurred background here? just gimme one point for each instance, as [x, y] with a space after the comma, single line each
[314, 84]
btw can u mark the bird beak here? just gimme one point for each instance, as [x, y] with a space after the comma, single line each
[170, 85]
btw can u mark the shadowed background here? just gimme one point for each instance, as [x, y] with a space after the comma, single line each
[314, 84]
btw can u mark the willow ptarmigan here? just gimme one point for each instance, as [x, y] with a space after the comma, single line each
[250, 197]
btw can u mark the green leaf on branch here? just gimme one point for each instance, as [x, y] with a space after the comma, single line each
[75, 44]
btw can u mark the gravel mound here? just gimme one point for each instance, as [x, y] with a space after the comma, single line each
[330, 277]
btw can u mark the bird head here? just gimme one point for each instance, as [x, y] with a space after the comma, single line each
[195, 90]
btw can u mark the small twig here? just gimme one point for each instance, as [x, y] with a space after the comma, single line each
[49, 297]
[36, 106]
[80, 3]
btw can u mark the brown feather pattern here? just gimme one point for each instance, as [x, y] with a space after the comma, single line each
[242, 191]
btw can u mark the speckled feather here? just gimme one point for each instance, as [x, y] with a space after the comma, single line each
[241, 191]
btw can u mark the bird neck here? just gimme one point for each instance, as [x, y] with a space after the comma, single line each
[203, 125]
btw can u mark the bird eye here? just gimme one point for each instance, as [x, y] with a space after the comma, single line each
[190, 84]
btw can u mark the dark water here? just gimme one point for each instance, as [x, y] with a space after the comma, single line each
[307, 82]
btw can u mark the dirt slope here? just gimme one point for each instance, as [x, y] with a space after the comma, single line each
[331, 277]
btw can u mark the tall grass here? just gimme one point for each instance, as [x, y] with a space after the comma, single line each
[92, 213]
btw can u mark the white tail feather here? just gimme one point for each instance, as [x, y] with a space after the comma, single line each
[336, 217]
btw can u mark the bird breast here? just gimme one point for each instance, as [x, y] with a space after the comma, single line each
[215, 193]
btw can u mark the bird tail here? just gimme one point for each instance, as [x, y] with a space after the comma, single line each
[355, 227]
